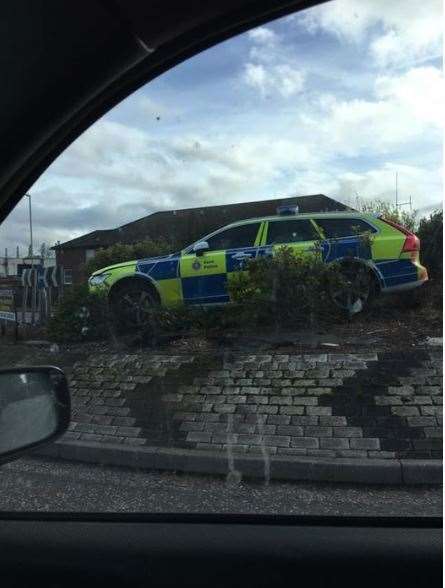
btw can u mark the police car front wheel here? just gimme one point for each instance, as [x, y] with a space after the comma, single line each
[133, 305]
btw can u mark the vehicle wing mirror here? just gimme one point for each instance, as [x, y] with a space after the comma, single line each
[34, 408]
[200, 247]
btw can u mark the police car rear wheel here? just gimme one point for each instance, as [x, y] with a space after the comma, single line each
[133, 305]
[356, 290]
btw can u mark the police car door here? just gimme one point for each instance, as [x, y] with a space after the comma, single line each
[298, 234]
[204, 274]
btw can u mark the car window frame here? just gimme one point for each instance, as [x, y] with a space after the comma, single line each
[311, 221]
[321, 231]
[259, 235]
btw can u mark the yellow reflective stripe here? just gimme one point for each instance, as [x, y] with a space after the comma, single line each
[317, 228]
[259, 237]
[265, 231]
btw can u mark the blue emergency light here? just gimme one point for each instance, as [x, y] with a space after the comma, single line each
[287, 209]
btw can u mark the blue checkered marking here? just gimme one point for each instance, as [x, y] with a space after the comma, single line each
[232, 264]
[345, 247]
[164, 269]
[205, 289]
[397, 271]
[265, 251]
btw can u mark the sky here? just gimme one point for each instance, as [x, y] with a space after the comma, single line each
[332, 100]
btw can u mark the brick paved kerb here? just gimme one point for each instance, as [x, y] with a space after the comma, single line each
[290, 409]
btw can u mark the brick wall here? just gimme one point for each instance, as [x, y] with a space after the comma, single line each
[74, 260]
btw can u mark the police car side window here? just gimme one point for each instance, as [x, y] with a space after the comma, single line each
[291, 231]
[343, 227]
[234, 238]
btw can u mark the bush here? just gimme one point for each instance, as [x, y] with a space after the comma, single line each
[285, 290]
[430, 233]
[121, 252]
[189, 320]
[80, 316]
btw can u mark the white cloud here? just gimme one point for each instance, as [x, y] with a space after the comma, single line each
[282, 79]
[398, 32]
[404, 109]
[255, 75]
[126, 165]
[271, 69]
[421, 91]
[132, 175]
[289, 80]
[263, 35]
[348, 19]
[379, 183]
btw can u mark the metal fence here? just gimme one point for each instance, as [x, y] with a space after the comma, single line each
[31, 298]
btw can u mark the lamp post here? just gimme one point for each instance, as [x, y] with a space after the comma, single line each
[31, 252]
[31, 249]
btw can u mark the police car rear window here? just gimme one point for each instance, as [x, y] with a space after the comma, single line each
[343, 227]
[235, 237]
[291, 231]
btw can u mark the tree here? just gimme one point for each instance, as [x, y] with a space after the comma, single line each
[389, 211]
[430, 233]
[121, 252]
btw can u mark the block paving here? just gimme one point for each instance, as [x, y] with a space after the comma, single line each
[363, 405]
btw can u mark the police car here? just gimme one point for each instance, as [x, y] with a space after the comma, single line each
[198, 275]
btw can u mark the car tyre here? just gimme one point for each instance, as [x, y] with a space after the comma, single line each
[133, 307]
[357, 288]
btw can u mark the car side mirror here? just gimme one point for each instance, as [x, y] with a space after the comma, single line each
[200, 247]
[34, 408]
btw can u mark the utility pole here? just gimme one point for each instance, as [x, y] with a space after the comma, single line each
[399, 204]
[397, 191]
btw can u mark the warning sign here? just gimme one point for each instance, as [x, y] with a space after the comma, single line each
[7, 305]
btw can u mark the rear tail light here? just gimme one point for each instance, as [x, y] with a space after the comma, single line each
[412, 242]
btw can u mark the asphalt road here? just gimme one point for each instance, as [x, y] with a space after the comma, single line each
[45, 485]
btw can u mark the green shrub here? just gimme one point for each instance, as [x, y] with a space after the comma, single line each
[430, 233]
[121, 252]
[285, 290]
[80, 316]
[189, 320]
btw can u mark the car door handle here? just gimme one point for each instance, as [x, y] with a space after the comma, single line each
[240, 256]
